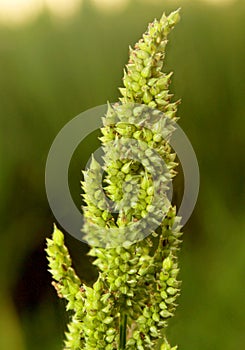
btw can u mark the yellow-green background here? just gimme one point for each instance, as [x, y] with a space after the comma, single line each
[50, 71]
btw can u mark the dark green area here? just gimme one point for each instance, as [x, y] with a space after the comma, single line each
[50, 72]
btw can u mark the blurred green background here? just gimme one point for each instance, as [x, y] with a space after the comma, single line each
[52, 69]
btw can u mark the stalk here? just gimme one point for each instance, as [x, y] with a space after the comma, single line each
[123, 329]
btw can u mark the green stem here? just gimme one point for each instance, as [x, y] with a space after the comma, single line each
[123, 329]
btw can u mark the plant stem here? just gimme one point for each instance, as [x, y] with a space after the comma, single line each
[123, 329]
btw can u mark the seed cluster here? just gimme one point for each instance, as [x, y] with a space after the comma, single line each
[134, 252]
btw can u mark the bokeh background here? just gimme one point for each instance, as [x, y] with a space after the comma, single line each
[61, 57]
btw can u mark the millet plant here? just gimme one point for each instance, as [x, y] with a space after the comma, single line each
[129, 305]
